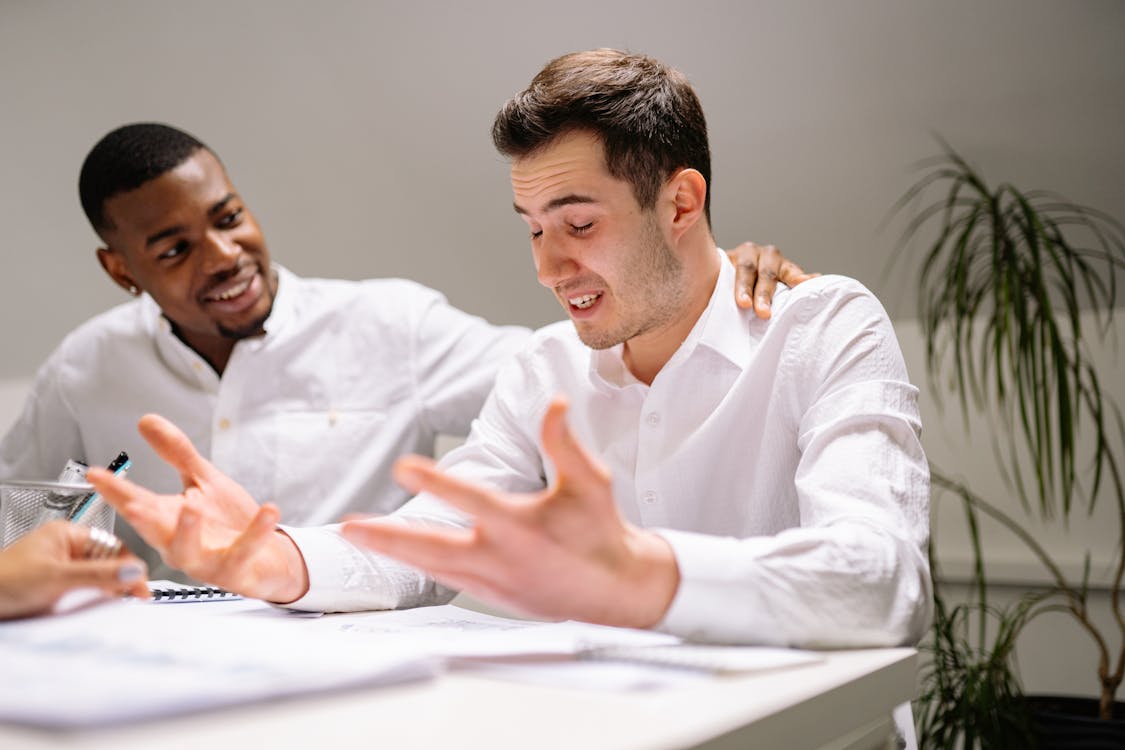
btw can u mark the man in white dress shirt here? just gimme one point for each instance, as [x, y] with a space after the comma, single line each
[303, 390]
[662, 460]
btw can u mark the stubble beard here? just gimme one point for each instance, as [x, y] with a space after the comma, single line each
[251, 329]
[653, 297]
[257, 326]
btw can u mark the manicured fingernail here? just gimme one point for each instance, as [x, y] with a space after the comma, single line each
[130, 572]
[763, 302]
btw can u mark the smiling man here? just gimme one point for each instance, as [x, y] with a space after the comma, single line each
[281, 381]
[227, 293]
[661, 460]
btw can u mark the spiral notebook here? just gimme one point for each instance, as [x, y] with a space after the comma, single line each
[170, 591]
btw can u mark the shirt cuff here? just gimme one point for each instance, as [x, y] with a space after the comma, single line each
[331, 563]
[712, 602]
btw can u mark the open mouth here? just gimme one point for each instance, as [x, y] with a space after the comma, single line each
[585, 301]
[237, 293]
[230, 292]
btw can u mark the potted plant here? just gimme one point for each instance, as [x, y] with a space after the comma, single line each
[1006, 286]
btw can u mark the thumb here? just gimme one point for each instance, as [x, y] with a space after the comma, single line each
[172, 445]
[574, 465]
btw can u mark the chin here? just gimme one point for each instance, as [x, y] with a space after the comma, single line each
[253, 327]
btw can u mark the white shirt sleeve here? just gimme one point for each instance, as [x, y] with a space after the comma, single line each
[45, 435]
[855, 572]
[455, 357]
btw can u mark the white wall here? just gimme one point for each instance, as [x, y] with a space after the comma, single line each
[357, 131]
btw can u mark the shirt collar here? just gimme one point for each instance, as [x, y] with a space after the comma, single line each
[284, 302]
[180, 357]
[722, 327]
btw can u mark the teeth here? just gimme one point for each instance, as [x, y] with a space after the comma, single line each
[584, 301]
[232, 292]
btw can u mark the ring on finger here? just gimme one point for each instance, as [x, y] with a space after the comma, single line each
[101, 544]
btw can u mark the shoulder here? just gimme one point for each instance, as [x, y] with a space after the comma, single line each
[369, 309]
[551, 355]
[556, 341]
[827, 299]
[120, 326]
[381, 294]
[100, 343]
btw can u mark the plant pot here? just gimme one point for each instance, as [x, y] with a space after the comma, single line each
[1069, 723]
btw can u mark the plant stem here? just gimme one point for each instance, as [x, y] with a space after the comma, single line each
[1076, 601]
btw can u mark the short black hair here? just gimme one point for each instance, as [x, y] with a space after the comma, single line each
[128, 157]
[646, 114]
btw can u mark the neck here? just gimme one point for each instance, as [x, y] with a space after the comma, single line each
[216, 351]
[645, 355]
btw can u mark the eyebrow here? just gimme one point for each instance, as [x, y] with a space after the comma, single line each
[218, 206]
[566, 200]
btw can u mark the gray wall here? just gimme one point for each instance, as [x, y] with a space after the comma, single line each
[358, 134]
[358, 130]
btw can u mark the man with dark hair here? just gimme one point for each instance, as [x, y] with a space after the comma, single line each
[304, 390]
[708, 473]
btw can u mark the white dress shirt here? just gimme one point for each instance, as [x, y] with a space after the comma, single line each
[780, 459]
[348, 376]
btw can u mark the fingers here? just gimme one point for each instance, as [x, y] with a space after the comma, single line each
[758, 268]
[769, 264]
[358, 517]
[172, 445]
[791, 274]
[426, 548]
[125, 496]
[250, 542]
[185, 549]
[745, 260]
[123, 575]
[574, 465]
[142, 508]
[419, 474]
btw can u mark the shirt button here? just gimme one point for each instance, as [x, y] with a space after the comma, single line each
[332, 418]
[653, 418]
[650, 497]
[224, 423]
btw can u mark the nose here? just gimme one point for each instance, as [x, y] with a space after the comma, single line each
[553, 264]
[219, 252]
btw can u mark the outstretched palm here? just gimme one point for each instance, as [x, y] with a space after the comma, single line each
[213, 530]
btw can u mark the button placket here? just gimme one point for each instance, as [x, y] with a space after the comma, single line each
[226, 422]
[647, 473]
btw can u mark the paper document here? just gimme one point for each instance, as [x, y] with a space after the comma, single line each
[131, 660]
[452, 631]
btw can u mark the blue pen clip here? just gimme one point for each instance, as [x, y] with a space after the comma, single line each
[118, 466]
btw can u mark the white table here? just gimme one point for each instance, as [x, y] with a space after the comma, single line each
[843, 702]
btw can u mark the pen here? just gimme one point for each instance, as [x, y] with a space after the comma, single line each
[119, 466]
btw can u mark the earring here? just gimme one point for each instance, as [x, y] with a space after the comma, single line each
[134, 291]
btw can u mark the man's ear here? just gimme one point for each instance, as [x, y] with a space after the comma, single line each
[114, 265]
[687, 190]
